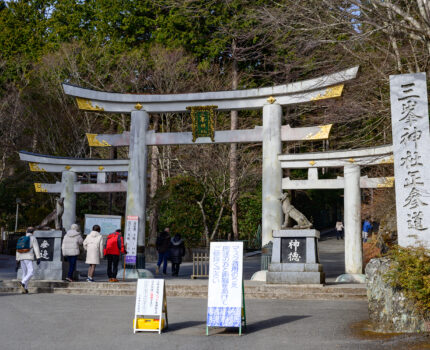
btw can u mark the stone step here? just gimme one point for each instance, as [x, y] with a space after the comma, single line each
[92, 291]
[17, 290]
[35, 283]
[306, 296]
[186, 288]
[100, 285]
[203, 294]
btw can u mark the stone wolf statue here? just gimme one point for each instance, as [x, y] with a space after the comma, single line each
[291, 212]
[55, 216]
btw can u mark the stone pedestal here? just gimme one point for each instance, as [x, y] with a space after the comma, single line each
[51, 265]
[295, 258]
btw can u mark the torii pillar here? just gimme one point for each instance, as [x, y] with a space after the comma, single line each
[272, 171]
[137, 174]
[68, 178]
[352, 217]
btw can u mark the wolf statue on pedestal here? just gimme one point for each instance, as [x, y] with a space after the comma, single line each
[55, 216]
[291, 212]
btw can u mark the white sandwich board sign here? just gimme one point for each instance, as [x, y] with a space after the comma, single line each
[150, 301]
[225, 287]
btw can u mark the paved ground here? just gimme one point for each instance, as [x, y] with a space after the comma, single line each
[46, 321]
[331, 255]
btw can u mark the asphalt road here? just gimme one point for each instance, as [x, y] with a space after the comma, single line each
[47, 321]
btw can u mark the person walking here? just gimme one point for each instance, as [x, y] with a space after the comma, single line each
[93, 244]
[339, 230]
[113, 249]
[176, 252]
[26, 248]
[162, 245]
[367, 227]
[70, 248]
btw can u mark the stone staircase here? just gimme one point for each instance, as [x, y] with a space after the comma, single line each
[197, 289]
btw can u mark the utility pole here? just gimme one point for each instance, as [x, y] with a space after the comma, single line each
[18, 200]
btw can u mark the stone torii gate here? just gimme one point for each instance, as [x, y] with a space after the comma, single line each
[269, 99]
[351, 161]
[68, 187]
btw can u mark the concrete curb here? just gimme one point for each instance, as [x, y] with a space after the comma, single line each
[197, 289]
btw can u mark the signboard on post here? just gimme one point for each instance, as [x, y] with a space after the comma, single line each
[226, 303]
[131, 231]
[411, 144]
[108, 223]
[150, 301]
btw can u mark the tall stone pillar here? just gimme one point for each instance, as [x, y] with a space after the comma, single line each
[272, 171]
[137, 174]
[352, 212]
[68, 178]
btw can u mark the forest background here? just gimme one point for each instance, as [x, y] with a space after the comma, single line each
[208, 192]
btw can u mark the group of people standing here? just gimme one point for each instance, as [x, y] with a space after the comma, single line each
[93, 245]
[28, 250]
[169, 248]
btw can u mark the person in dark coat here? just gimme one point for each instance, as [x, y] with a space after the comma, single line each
[162, 245]
[176, 252]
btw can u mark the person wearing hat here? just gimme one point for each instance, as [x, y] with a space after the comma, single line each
[113, 249]
[25, 253]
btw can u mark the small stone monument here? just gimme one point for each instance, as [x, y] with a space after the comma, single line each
[295, 258]
[51, 265]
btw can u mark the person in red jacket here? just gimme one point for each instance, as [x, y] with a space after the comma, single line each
[114, 247]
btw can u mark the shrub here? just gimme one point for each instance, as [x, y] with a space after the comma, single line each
[411, 273]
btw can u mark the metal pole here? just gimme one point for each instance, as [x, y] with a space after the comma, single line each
[16, 217]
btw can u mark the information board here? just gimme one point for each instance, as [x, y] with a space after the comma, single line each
[107, 223]
[225, 285]
[131, 231]
[150, 301]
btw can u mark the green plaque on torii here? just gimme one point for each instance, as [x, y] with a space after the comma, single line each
[203, 121]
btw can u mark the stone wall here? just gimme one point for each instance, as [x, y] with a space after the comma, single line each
[389, 309]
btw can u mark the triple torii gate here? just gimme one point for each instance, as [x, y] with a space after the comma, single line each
[351, 161]
[271, 134]
[68, 167]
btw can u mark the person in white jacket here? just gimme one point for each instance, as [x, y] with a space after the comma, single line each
[26, 260]
[70, 248]
[339, 230]
[93, 244]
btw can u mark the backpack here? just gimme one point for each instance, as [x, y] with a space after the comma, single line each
[109, 242]
[23, 245]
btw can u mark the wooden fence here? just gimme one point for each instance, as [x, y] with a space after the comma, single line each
[200, 265]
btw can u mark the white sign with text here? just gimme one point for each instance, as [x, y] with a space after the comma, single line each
[225, 284]
[131, 231]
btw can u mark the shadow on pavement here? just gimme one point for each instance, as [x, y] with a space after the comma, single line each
[183, 325]
[272, 322]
